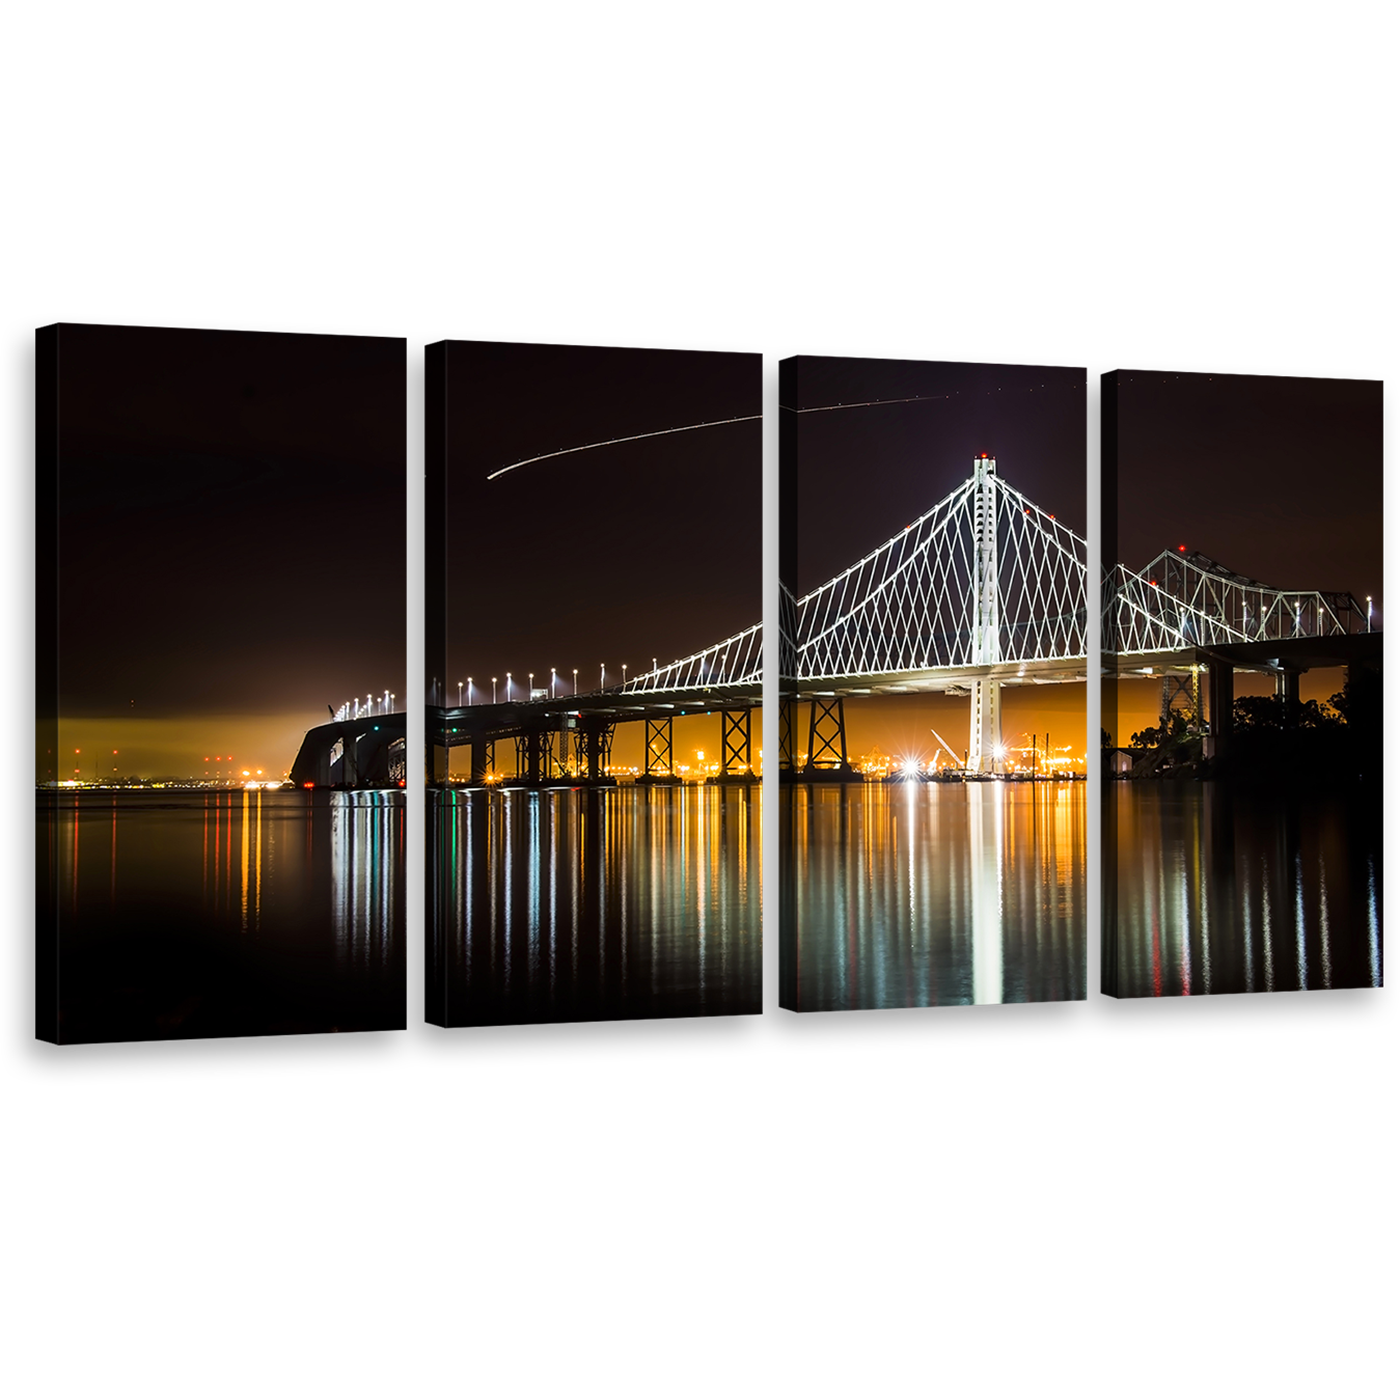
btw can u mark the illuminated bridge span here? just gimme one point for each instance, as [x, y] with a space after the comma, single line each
[364, 750]
[569, 738]
[1186, 614]
[986, 589]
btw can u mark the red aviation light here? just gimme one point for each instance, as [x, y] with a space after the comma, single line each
[308, 785]
[1181, 549]
[1153, 582]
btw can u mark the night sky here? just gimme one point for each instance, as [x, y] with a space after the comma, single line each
[865, 473]
[231, 537]
[1277, 478]
[619, 554]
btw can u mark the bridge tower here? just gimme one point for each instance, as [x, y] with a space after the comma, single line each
[984, 740]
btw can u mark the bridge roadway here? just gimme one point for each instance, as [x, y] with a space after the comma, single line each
[587, 722]
[1291, 654]
[954, 680]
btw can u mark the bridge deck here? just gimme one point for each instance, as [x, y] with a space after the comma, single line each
[953, 680]
[1291, 654]
[464, 723]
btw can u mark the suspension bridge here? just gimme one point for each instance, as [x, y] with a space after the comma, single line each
[982, 591]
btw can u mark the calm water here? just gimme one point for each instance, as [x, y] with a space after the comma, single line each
[932, 894]
[1233, 891]
[571, 905]
[241, 913]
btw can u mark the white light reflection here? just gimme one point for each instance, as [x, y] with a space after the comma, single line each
[1248, 945]
[1373, 926]
[532, 875]
[1301, 928]
[985, 816]
[1268, 932]
[1322, 922]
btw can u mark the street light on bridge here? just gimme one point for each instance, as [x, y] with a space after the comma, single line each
[602, 674]
[507, 687]
[551, 682]
[469, 690]
[1368, 612]
[493, 690]
[624, 674]
[459, 695]
[575, 680]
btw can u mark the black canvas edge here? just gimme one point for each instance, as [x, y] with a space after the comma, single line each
[788, 377]
[46, 917]
[435, 979]
[1108, 683]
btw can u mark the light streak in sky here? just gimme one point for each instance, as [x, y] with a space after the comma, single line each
[612, 442]
[873, 403]
[692, 427]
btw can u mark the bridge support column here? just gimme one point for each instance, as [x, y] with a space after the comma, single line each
[984, 734]
[1221, 682]
[826, 741]
[350, 766]
[1286, 689]
[597, 750]
[735, 746]
[536, 754]
[1175, 688]
[483, 759]
[659, 760]
[787, 749]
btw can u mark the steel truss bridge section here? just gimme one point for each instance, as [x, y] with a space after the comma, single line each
[1183, 601]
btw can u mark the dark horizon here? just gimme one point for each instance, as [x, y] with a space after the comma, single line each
[231, 529]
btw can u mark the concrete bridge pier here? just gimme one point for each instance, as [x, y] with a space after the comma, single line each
[984, 742]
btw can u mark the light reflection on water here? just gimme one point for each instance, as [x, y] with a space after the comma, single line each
[569, 904]
[932, 894]
[224, 913]
[1211, 890]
